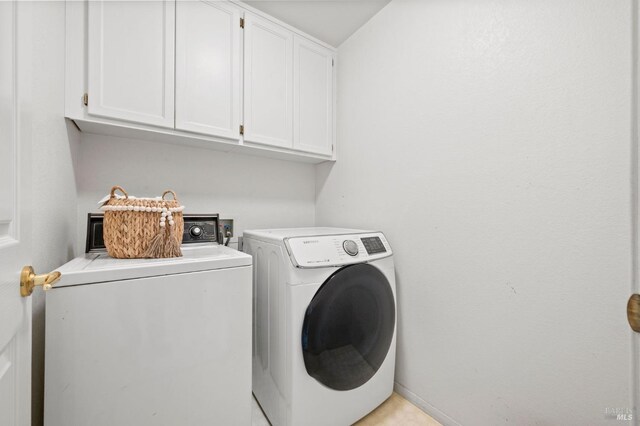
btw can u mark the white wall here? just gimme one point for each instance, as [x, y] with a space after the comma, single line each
[256, 192]
[490, 141]
[54, 150]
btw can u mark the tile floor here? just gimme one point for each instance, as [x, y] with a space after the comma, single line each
[398, 411]
[394, 411]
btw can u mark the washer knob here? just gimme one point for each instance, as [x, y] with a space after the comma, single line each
[350, 247]
[195, 231]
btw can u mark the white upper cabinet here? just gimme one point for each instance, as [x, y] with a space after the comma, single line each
[131, 61]
[268, 82]
[208, 76]
[208, 73]
[312, 97]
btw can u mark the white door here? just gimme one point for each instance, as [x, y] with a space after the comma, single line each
[15, 311]
[208, 68]
[131, 61]
[312, 97]
[268, 82]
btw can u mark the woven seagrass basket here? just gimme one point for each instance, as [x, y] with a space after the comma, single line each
[136, 228]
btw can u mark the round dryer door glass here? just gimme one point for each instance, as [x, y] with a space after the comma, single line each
[348, 327]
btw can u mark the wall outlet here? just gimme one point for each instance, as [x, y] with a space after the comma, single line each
[225, 225]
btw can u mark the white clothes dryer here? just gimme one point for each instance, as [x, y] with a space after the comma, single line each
[324, 324]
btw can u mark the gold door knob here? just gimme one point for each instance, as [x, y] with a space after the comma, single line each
[29, 279]
[633, 312]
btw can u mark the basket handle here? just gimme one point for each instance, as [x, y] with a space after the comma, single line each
[118, 188]
[168, 191]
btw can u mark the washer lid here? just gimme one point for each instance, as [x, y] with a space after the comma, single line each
[99, 267]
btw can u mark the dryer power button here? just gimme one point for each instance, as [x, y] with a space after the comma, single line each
[350, 247]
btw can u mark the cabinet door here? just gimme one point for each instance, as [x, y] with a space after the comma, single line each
[268, 82]
[131, 61]
[208, 68]
[312, 97]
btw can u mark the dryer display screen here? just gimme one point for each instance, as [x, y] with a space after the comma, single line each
[373, 245]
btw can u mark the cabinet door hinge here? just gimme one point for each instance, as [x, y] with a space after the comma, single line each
[85, 99]
[241, 22]
[241, 129]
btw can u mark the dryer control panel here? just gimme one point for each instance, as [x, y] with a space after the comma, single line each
[337, 250]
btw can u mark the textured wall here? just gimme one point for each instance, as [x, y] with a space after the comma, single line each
[490, 141]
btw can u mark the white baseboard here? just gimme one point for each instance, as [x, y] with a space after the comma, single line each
[424, 406]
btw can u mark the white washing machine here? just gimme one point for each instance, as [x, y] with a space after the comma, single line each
[151, 341]
[324, 323]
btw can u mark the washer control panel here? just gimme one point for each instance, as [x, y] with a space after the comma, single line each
[200, 229]
[337, 250]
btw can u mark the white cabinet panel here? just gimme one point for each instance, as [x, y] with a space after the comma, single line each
[268, 82]
[312, 97]
[131, 61]
[8, 145]
[208, 77]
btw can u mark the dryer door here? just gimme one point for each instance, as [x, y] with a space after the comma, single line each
[348, 327]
